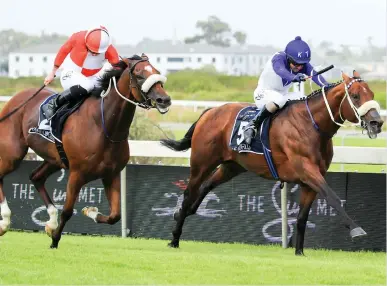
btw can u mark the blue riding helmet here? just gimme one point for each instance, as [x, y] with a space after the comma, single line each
[298, 51]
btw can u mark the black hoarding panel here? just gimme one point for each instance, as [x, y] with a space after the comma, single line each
[246, 209]
[29, 211]
[367, 206]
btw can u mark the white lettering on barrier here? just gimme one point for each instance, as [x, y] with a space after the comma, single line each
[202, 210]
[23, 191]
[43, 209]
[321, 209]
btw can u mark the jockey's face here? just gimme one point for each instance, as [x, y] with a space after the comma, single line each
[295, 67]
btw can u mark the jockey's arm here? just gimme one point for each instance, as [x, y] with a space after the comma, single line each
[112, 55]
[64, 50]
[319, 79]
[280, 68]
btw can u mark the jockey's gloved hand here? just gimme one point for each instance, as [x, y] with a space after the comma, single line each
[299, 77]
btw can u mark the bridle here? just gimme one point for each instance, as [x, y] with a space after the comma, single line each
[143, 86]
[359, 112]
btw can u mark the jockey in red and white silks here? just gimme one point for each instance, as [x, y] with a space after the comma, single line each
[79, 60]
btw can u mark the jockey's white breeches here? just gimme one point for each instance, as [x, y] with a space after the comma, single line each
[69, 78]
[262, 97]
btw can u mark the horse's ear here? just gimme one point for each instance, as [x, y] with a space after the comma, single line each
[144, 56]
[356, 74]
[345, 77]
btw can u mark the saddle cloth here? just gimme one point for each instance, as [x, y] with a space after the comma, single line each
[260, 144]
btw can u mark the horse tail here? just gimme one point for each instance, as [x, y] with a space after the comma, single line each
[185, 143]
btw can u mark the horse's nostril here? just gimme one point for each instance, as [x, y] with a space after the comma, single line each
[376, 123]
[163, 100]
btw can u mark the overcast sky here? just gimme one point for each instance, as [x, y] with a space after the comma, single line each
[266, 22]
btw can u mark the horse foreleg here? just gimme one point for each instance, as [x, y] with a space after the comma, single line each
[38, 178]
[312, 177]
[5, 211]
[112, 191]
[306, 200]
[74, 185]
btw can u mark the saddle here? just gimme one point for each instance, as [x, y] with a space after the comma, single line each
[51, 130]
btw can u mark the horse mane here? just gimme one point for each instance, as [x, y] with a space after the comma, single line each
[315, 93]
[116, 72]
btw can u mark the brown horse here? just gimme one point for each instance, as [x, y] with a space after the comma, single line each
[301, 146]
[96, 143]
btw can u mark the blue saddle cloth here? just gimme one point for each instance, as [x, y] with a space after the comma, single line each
[51, 130]
[260, 144]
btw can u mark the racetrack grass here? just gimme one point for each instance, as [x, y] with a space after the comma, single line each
[26, 259]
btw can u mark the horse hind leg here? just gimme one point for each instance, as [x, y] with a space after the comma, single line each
[199, 172]
[223, 174]
[112, 191]
[5, 212]
[38, 178]
[9, 161]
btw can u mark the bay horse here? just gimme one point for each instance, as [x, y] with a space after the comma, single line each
[95, 139]
[300, 139]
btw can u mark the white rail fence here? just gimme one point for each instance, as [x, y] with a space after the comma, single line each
[344, 155]
[195, 104]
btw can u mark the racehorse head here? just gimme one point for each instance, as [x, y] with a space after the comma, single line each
[146, 83]
[360, 105]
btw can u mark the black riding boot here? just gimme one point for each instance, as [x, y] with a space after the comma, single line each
[71, 94]
[251, 130]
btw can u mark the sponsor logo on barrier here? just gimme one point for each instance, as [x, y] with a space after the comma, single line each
[251, 203]
[202, 210]
[40, 212]
[28, 192]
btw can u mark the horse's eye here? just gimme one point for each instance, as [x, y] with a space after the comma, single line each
[356, 96]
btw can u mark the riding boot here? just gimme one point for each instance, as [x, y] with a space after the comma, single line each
[53, 104]
[69, 95]
[251, 129]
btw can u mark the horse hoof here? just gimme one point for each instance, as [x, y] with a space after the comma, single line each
[49, 230]
[356, 232]
[86, 210]
[53, 246]
[173, 244]
[2, 231]
[300, 253]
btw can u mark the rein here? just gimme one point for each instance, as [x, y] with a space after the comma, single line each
[142, 88]
[359, 112]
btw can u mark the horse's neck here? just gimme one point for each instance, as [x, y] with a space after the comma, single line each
[118, 112]
[320, 112]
